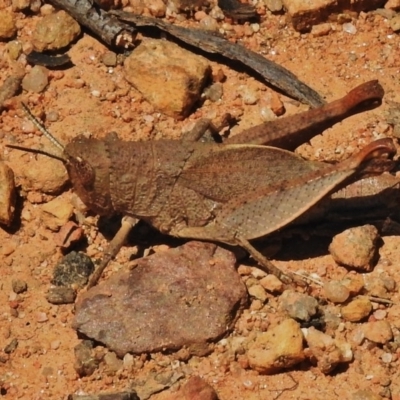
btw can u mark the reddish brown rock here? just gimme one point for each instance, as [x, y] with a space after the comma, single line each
[186, 296]
[305, 14]
[195, 389]
[356, 247]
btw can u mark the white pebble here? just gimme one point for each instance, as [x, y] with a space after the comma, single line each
[348, 27]
[95, 93]
[387, 358]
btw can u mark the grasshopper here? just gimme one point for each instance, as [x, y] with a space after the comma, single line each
[242, 189]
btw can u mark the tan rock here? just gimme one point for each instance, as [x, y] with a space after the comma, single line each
[169, 77]
[274, 5]
[7, 25]
[195, 389]
[258, 292]
[272, 100]
[393, 5]
[7, 194]
[38, 172]
[336, 292]
[325, 350]
[57, 212]
[272, 284]
[55, 31]
[354, 283]
[280, 347]
[19, 5]
[395, 23]
[36, 80]
[378, 331]
[365, 395]
[321, 29]
[357, 309]
[356, 247]
[305, 14]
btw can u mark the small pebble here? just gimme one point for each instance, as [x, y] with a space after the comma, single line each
[57, 212]
[46, 9]
[199, 15]
[244, 270]
[209, 24]
[14, 49]
[74, 268]
[258, 292]
[298, 305]
[113, 363]
[52, 116]
[267, 114]
[7, 25]
[354, 284]
[274, 5]
[380, 314]
[392, 5]
[109, 59]
[11, 347]
[55, 344]
[349, 27]
[20, 5]
[387, 358]
[336, 292]
[357, 309]
[85, 362]
[36, 80]
[157, 8]
[279, 347]
[272, 101]
[356, 247]
[321, 29]
[378, 331]
[249, 95]
[55, 31]
[61, 295]
[326, 350]
[272, 284]
[214, 92]
[365, 395]
[395, 23]
[41, 317]
[19, 286]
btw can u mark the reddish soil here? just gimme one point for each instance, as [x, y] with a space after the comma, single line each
[42, 365]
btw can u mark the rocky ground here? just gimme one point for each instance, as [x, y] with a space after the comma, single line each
[188, 321]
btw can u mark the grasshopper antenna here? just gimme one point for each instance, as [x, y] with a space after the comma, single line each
[46, 133]
[42, 129]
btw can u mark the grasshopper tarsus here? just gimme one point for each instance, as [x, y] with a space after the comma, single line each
[263, 262]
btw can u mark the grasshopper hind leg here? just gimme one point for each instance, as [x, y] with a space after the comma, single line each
[263, 262]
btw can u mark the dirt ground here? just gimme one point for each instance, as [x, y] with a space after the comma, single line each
[42, 365]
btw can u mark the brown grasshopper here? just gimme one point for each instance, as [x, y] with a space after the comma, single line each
[231, 192]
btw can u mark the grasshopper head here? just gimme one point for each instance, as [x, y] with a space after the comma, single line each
[87, 163]
[88, 166]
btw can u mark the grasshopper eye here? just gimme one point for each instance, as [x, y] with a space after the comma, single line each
[81, 171]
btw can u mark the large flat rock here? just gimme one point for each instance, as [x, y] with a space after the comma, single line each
[186, 296]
